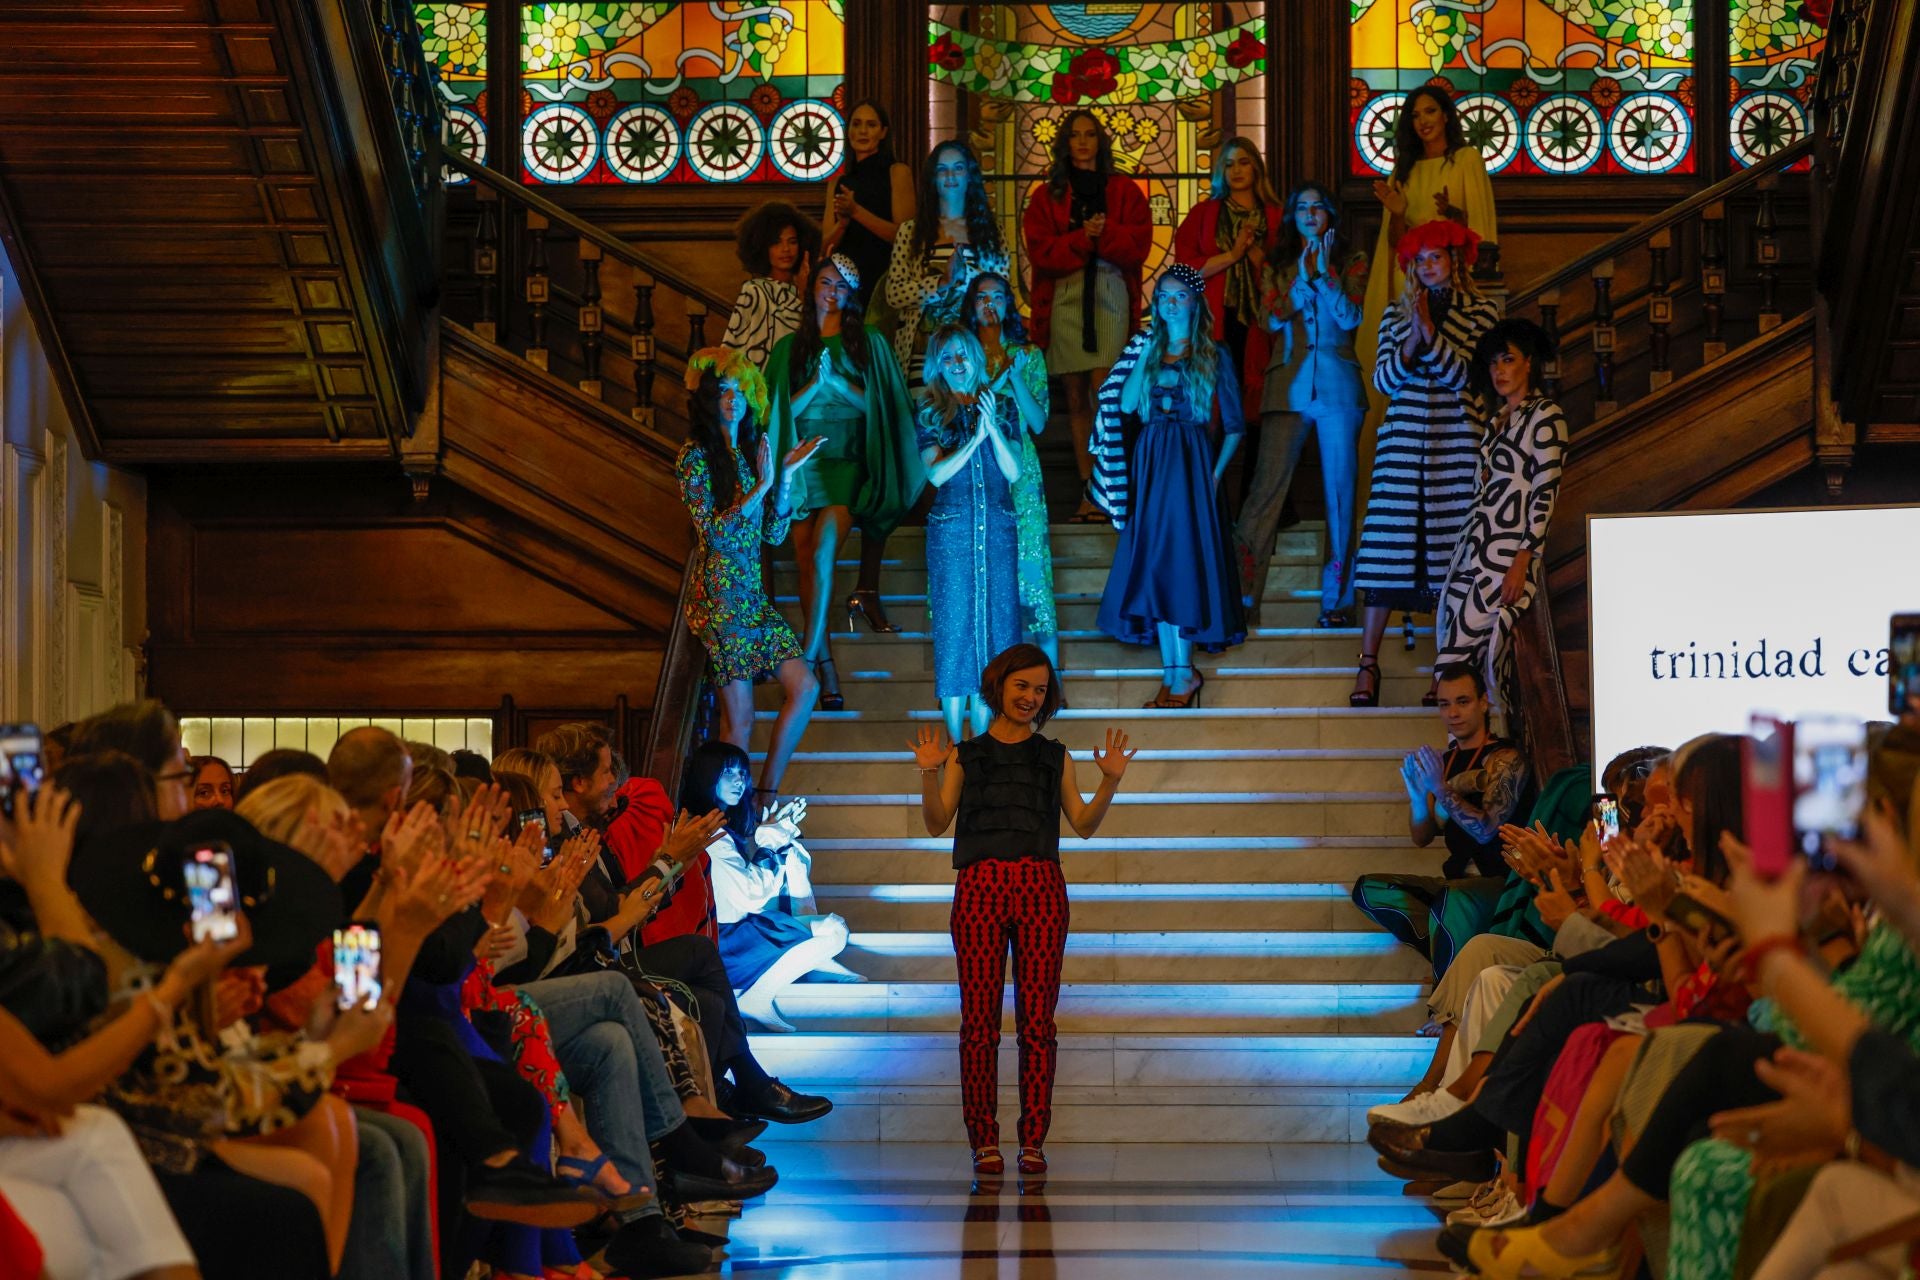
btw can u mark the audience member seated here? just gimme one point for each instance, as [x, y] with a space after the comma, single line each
[212, 782]
[770, 937]
[278, 763]
[1463, 798]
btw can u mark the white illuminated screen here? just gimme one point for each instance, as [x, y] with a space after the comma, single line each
[1682, 605]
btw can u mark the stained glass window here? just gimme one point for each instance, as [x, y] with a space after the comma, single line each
[700, 91]
[455, 38]
[1170, 82]
[1545, 87]
[1773, 47]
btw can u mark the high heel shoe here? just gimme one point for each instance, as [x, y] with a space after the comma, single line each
[1032, 1163]
[1519, 1253]
[865, 603]
[1191, 698]
[1371, 697]
[831, 698]
[989, 1163]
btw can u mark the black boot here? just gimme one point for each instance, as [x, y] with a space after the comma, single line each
[649, 1247]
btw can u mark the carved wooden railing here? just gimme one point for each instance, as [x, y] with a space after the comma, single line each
[518, 229]
[682, 701]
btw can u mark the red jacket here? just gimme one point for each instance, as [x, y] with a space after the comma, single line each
[634, 837]
[1195, 242]
[1055, 250]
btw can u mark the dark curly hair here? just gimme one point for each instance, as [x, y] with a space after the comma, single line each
[755, 234]
[1408, 150]
[1013, 330]
[983, 233]
[1063, 153]
[1530, 338]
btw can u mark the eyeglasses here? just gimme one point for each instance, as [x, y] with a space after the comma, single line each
[173, 775]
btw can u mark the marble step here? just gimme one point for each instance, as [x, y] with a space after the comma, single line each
[904, 543]
[1328, 728]
[1195, 1115]
[1118, 908]
[1077, 610]
[820, 772]
[1131, 686]
[1192, 957]
[1166, 813]
[1250, 1008]
[1109, 860]
[1070, 574]
[912, 651]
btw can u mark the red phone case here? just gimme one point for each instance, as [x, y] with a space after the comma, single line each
[1766, 757]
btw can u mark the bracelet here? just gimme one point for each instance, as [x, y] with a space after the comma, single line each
[935, 769]
[1759, 951]
[161, 1009]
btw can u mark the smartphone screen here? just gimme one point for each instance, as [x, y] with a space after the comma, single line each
[1606, 815]
[1903, 665]
[212, 901]
[1830, 784]
[1702, 919]
[356, 966]
[1766, 765]
[22, 763]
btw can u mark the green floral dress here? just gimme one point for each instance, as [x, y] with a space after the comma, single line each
[1038, 618]
[745, 636]
[1713, 1180]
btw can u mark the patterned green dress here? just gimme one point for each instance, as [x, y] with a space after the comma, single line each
[745, 636]
[1713, 1180]
[1039, 620]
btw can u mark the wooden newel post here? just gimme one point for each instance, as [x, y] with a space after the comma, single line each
[1713, 279]
[696, 325]
[1766, 252]
[1550, 321]
[538, 288]
[486, 262]
[1604, 336]
[643, 348]
[1660, 310]
[591, 319]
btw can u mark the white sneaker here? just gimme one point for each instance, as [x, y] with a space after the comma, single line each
[1495, 1205]
[1424, 1109]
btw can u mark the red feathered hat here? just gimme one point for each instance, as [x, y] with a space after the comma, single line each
[1440, 233]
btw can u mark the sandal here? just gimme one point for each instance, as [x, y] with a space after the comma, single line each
[1032, 1163]
[831, 699]
[1519, 1253]
[1370, 698]
[1333, 619]
[988, 1162]
[1191, 698]
[584, 1173]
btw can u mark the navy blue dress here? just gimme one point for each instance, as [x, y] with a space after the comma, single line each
[973, 559]
[1174, 562]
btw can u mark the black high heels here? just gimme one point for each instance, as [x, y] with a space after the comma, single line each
[865, 603]
[831, 698]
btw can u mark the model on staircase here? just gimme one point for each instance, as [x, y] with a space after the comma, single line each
[836, 378]
[1008, 788]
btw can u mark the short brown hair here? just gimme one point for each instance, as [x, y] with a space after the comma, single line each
[366, 763]
[575, 748]
[1021, 657]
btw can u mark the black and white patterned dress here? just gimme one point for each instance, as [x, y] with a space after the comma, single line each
[1519, 477]
[1425, 460]
[766, 311]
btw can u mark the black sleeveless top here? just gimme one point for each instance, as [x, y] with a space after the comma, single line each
[871, 181]
[1465, 855]
[1010, 802]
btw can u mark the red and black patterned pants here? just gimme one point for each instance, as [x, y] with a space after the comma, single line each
[996, 903]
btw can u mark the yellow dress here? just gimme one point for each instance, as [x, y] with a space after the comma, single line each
[1464, 176]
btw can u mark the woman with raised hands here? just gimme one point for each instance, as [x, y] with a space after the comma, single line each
[1008, 788]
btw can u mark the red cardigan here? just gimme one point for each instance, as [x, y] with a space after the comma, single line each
[634, 837]
[1056, 251]
[1195, 242]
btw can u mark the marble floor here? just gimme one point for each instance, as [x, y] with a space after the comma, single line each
[1131, 1211]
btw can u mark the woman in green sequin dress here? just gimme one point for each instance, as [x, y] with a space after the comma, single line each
[740, 501]
[1017, 375]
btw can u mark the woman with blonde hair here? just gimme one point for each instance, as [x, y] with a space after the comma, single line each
[973, 555]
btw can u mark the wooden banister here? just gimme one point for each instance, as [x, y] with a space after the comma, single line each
[679, 698]
[609, 244]
[1581, 268]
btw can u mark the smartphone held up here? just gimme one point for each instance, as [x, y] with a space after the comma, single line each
[22, 764]
[213, 903]
[1805, 785]
[356, 966]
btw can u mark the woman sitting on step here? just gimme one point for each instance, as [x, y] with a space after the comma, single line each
[1009, 787]
[770, 934]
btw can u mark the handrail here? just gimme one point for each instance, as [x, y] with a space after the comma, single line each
[611, 244]
[676, 695]
[1583, 266]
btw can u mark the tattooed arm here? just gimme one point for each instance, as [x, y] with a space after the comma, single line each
[1506, 778]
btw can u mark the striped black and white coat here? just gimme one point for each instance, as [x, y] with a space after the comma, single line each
[1428, 451]
[1109, 443]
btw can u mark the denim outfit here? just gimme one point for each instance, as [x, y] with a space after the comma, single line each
[1313, 383]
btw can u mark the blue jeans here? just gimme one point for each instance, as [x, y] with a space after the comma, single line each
[390, 1236]
[606, 1045]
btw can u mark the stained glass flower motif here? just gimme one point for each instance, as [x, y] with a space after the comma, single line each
[763, 40]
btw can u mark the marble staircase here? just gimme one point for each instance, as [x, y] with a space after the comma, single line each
[1218, 985]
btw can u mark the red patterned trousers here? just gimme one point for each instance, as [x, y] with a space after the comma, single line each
[995, 904]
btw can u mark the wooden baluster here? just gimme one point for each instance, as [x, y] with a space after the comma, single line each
[1550, 322]
[643, 348]
[1660, 310]
[1604, 402]
[486, 262]
[590, 317]
[1713, 279]
[1766, 252]
[696, 325]
[538, 288]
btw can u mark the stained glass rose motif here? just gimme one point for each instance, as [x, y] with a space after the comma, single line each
[1066, 88]
[1245, 51]
[1126, 88]
[945, 54]
[1095, 70]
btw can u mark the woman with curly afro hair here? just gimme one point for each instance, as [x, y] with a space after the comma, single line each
[776, 244]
